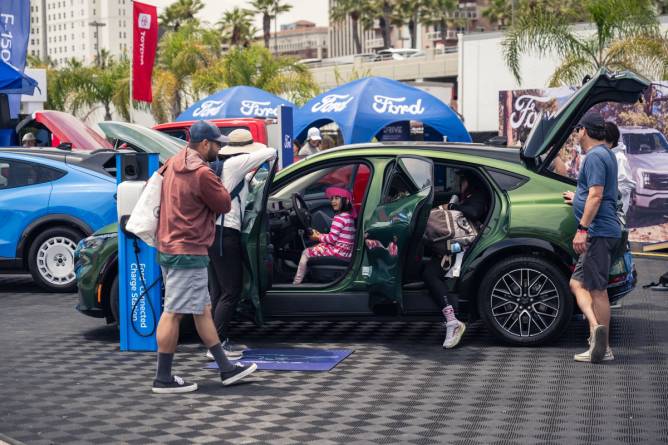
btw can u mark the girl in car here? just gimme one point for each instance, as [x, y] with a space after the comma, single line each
[340, 240]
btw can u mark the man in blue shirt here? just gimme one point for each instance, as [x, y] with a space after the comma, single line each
[597, 236]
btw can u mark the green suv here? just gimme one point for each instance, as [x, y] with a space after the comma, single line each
[514, 276]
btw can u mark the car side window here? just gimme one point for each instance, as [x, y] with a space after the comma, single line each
[337, 176]
[15, 174]
[177, 133]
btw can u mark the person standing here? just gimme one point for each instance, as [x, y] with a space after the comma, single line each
[241, 156]
[29, 140]
[312, 145]
[625, 181]
[598, 233]
[191, 197]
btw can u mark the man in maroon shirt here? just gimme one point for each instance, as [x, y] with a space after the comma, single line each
[192, 196]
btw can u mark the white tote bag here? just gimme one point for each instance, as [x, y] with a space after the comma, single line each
[143, 221]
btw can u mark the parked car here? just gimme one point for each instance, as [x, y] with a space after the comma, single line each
[141, 139]
[62, 130]
[49, 200]
[647, 152]
[181, 129]
[515, 275]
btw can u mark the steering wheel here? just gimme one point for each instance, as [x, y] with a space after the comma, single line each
[302, 212]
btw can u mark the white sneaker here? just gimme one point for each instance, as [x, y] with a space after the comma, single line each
[453, 334]
[586, 356]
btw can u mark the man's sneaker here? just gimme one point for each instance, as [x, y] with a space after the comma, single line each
[586, 356]
[231, 350]
[239, 372]
[599, 343]
[177, 385]
[454, 330]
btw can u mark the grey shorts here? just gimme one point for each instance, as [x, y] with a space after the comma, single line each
[186, 290]
[593, 266]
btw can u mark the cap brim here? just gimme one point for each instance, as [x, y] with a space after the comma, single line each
[222, 139]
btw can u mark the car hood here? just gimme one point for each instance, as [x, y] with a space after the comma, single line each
[651, 162]
[68, 129]
[111, 228]
[142, 138]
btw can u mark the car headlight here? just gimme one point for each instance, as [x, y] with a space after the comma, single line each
[645, 179]
[95, 241]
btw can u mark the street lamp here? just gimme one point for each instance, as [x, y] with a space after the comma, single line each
[97, 25]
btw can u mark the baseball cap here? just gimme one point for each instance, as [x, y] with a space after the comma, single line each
[592, 121]
[204, 130]
[314, 133]
[28, 137]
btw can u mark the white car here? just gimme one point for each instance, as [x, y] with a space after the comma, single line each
[399, 54]
[647, 152]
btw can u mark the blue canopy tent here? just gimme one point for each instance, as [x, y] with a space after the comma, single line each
[364, 107]
[13, 81]
[235, 102]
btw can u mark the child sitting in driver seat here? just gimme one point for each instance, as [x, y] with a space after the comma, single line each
[340, 240]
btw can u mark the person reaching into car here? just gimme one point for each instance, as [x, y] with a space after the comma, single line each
[625, 182]
[340, 241]
[471, 202]
[240, 157]
[191, 198]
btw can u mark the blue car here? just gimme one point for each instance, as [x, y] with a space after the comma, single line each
[49, 200]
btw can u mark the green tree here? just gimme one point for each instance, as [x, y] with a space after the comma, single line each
[236, 26]
[180, 13]
[359, 11]
[182, 54]
[269, 9]
[625, 36]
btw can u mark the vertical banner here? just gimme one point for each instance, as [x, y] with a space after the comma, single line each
[286, 154]
[144, 44]
[14, 34]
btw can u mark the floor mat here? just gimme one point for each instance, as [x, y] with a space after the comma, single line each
[294, 359]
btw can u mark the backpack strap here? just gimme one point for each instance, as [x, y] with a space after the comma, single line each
[234, 194]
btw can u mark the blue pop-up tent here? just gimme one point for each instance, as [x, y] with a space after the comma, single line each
[364, 107]
[240, 101]
[13, 81]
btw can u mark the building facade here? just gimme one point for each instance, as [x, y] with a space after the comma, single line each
[78, 29]
[302, 40]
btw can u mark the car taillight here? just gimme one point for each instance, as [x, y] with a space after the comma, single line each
[617, 279]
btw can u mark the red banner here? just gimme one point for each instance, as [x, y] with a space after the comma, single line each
[144, 44]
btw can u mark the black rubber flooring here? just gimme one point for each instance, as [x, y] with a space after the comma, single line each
[63, 380]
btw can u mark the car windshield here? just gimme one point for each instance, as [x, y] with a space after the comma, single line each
[644, 143]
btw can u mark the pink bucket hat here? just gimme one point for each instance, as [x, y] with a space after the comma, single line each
[343, 193]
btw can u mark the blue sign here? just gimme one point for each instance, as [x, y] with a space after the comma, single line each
[364, 107]
[139, 279]
[235, 102]
[287, 149]
[14, 34]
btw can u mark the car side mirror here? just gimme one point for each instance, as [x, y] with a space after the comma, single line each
[67, 146]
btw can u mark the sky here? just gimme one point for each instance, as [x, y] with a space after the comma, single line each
[313, 10]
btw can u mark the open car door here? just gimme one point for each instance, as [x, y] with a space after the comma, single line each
[394, 231]
[258, 262]
[549, 134]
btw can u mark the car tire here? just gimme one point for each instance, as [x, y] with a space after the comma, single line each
[113, 301]
[51, 259]
[525, 300]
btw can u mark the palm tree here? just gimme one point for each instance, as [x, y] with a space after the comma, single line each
[626, 37]
[384, 9]
[181, 54]
[359, 11]
[498, 12]
[439, 13]
[179, 13]
[236, 26]
[269, 9]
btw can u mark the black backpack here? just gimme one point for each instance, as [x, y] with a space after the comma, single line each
[217, 167]
[661, 285]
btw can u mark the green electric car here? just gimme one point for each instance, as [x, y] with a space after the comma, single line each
[514, 276]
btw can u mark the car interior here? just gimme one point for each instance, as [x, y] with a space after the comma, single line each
[302, 205]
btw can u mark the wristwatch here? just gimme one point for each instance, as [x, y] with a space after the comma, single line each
[582, 228]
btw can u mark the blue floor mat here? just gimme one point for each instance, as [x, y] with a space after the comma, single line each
[294, 359]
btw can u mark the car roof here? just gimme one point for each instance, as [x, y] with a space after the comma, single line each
[102, 161]
[511, 155]
[226, 122]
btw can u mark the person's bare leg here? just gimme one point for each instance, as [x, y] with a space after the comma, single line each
[601, 305]
[585, 303]
[168, 332]
[206, 328]
[301, 269]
